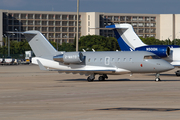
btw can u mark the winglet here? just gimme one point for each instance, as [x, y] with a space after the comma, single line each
[41, 66]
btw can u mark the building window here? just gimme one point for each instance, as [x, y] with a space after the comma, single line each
[44, 16]
[37, 22]
[51, 16]
[57, 17]
[71, 17]
[23, 16]
[30, 16]
[30, 22]
[44, 22]
[51, 23]
[37, 16]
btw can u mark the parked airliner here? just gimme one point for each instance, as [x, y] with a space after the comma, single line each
[129, 41]
[93, 63]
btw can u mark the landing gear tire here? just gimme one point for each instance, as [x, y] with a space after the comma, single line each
[178, 73]
[89, 79]
[101, 78]
[157, 79]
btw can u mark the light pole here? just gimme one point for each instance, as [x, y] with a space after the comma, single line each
[6, 39]
[169, 39]
[9, 44]
[77, 36]
[175, 37]
[57, 42]
[17, 33]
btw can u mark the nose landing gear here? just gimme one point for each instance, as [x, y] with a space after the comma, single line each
[157, 77]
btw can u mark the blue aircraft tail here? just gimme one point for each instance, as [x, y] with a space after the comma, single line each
[126, 37]
[121, 42]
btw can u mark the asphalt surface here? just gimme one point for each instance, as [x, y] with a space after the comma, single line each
[26, 93]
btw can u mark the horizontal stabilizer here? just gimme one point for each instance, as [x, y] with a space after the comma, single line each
[14, 32]
[41, 66]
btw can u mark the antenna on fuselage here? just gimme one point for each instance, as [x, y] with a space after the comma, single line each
[84, 50]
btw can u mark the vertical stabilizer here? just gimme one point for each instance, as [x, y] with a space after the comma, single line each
[39, 44]
[126, 36]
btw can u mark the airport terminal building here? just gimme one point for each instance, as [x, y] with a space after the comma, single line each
[61, 26]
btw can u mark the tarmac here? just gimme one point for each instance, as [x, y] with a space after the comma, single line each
[27, 93]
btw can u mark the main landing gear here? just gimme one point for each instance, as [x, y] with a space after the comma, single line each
[91, 78]
[157, 77]
[101, 78]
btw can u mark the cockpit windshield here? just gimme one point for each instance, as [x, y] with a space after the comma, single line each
[151, 57]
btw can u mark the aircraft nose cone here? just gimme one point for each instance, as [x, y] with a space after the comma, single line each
[171, 67]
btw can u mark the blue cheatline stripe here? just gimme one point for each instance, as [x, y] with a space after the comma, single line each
[122, 44]
[111, 26]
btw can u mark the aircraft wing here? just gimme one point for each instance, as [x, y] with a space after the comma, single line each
[99, 71]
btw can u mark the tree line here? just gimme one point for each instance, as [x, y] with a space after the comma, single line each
[89, 42]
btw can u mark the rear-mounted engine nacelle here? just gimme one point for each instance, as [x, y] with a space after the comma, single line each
[69, 58]
[161, 51]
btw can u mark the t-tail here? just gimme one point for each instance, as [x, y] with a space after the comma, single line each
[129, 41]
[39, 44]
[126, 37]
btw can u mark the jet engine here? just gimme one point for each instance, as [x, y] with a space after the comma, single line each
[69, 58]
[160, 50]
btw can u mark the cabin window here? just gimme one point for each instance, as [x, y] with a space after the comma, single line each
[151, 57]
[118, 60]
[89, 59]
[130, 59]
[124, 60]
[101, 59]
[112, 59]
[94, 59]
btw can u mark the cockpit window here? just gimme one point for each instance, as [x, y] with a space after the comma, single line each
[151, 57]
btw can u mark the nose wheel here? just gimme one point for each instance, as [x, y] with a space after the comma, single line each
[157, 77]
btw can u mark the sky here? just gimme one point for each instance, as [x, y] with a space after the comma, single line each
[107, 6]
